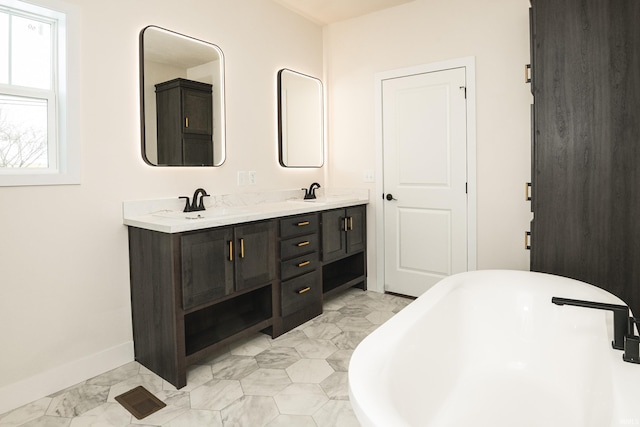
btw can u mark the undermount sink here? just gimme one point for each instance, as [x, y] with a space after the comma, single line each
[206, 214]
[318, 201]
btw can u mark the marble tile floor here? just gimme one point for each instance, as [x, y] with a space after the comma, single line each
[298, 379]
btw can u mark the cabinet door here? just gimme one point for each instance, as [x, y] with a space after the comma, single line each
[357, 229]
[207, 271]
[333, 238]
[586, 200]
[168, 127]
[255, 254]
[197, 150]
[197, 112]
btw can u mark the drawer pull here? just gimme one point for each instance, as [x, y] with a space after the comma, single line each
[303, 290]
[303, 223]
[305, 243]
[302, 264]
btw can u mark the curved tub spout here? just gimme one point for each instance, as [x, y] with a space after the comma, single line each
[311, 192]
[621, 321]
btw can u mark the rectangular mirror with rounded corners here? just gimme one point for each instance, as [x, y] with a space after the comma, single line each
[300, 120]
[182, 99]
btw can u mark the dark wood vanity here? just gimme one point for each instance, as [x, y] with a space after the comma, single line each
[194, 292]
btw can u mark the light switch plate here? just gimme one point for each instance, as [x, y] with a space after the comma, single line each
[368, 175]
[242, 178]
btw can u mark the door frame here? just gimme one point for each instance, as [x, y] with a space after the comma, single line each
[469, 64]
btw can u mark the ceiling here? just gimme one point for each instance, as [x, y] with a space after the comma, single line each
[329, 11]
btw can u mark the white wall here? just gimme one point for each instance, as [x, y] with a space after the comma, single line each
[64, 301]
[496, 33]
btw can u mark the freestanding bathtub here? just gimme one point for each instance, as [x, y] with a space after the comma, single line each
[489, 349]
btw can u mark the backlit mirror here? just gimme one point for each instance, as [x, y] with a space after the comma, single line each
[182, 100]
[300, 120]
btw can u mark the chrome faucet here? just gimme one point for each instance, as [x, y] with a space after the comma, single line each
[195, 205]
[311, 192]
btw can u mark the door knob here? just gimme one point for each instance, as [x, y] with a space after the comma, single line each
[390, 197]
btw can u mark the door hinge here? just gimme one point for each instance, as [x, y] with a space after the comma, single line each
[465, 91]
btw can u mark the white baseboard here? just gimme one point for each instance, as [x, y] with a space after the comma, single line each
[14, 395]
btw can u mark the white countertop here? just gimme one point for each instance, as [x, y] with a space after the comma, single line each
[165, 215]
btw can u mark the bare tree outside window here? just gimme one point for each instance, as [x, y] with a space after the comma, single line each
[23, 132]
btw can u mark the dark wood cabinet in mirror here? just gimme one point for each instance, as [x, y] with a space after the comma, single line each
[182, 100]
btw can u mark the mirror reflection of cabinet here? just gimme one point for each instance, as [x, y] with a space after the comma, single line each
[164, 56]
[184, 113]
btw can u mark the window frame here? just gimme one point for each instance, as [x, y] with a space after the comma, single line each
[63, 148]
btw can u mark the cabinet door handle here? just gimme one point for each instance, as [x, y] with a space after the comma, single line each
[350, 223]
[303, 290]
[302, 264]
[527, 192]
[241, 248]
[186, 122]
[230, 250]
[345, 224]
[303, 223]
[527, 75]
[527, 240]
[305, 243]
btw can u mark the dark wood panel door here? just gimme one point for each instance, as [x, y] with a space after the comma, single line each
[255, 254]
[197, 150]
[587, 143]
[207, 268]
[333, 238]
[197, 111]
[356, 233]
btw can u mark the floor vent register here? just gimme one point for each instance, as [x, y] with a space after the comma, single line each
[140, 402]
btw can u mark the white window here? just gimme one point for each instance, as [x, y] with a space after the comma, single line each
[37, 145]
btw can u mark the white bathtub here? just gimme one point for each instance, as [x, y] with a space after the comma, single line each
[489, 349]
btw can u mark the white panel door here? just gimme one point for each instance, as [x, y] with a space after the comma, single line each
[425, 177]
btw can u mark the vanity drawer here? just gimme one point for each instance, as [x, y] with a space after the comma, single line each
[299, 265]
[298, 246]
[299, 225]
[301, 292]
